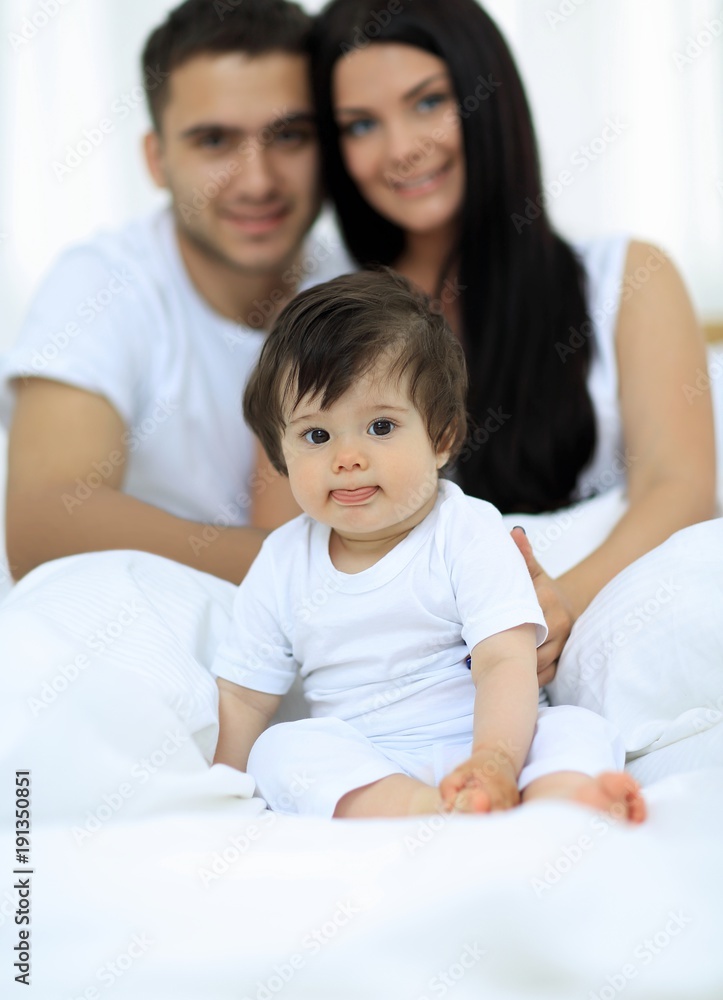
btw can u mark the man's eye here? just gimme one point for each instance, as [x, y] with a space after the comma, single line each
[293, 137]
[316, 436]
[212, 140]
[380, 428]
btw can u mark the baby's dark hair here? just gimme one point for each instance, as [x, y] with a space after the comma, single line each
[335, 333]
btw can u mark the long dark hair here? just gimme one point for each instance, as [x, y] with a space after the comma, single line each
[531, 417]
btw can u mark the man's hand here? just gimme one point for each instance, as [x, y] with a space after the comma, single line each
[485, 782]
[556, 608]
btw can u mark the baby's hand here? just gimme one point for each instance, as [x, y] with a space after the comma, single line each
[483, 783]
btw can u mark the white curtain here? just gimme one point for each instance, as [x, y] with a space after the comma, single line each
[627, 96]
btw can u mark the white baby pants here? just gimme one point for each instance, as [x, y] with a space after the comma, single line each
[306, 767]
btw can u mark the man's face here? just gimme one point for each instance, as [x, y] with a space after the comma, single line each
[239, 154]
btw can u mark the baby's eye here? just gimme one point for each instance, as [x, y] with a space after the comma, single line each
[316, 436]
[380, 428]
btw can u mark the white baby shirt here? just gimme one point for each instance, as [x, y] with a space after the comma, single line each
[384, 649]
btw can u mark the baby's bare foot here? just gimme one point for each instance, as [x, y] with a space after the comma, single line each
[613, 792]
[472, 800]
[484, 783]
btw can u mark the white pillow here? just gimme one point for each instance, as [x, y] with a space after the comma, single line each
[647, 654]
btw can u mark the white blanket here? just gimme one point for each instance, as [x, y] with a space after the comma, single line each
[158, 877]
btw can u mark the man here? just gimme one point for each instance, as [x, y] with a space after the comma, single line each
[123, 393]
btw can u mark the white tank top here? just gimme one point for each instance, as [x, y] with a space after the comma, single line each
[604, 262]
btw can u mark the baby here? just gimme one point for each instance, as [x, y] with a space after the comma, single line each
[403, 602]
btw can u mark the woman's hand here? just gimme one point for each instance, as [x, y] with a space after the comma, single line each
[556, 607]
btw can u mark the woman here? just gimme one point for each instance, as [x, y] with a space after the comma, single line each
[432, 164]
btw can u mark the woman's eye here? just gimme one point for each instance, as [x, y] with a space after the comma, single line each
[432, 101]
[316, 436]
[380, 428]
[357, 128]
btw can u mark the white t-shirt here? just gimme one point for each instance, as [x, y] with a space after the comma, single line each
[118, 316]
[385, 649]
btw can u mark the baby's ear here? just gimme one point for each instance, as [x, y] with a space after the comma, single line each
[444, 447]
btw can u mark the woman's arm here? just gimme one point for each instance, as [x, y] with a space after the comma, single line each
[667, 425]
[668, 434]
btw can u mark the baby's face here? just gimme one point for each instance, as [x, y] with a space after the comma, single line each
[365, 466]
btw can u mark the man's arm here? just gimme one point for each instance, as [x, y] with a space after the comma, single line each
[60, 438]
[273, 503]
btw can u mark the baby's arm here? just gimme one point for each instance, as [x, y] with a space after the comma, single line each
[243, 715]
[504, 670]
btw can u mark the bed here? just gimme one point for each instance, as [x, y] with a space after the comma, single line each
[151, 875]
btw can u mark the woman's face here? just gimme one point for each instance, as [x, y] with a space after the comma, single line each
[400, 134]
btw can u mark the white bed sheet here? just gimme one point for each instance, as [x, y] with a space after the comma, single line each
[158, 877]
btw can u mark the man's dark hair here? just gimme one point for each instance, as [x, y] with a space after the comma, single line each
[200, 27]
[333, 334]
